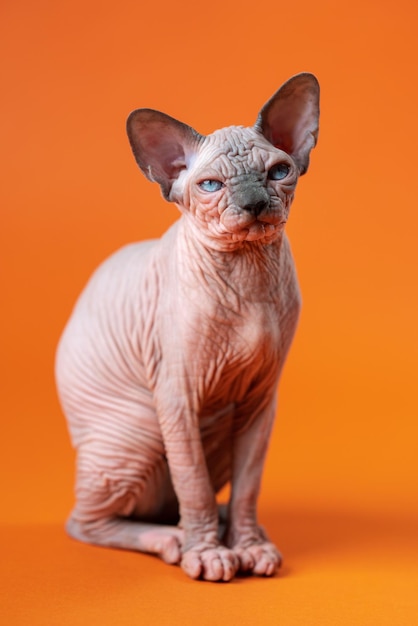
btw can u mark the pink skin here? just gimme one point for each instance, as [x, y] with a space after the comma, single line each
[168, 368]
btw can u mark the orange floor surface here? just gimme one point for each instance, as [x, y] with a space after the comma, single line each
[341, 480]
[339, 570]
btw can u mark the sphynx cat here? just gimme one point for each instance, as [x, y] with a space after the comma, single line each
[168, 368]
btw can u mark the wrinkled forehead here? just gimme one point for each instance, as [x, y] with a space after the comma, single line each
[235, 149]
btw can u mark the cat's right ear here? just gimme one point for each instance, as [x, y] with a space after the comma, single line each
[162, 146]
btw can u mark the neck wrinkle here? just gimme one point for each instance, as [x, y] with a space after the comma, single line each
[238, 272]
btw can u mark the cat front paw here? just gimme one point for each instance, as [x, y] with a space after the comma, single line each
[210, 563]
[262, 558]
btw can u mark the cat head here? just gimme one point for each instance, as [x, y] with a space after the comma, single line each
[237, 183]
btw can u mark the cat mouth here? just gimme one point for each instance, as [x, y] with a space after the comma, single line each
[260, 229]
[234, 220]
[257, 230]
[247, 227]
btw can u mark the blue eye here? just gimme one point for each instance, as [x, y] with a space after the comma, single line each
[211, 185]
[279, 171]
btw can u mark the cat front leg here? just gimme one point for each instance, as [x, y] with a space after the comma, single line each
[203, 555]
[256, 553]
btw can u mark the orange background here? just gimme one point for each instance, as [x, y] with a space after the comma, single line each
[340, 488]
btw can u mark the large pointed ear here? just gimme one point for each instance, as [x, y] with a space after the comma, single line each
[162, 146]
[289, 120]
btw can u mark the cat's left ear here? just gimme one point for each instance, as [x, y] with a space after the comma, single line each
[290, 119]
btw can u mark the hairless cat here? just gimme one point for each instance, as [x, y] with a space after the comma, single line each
[168, 367]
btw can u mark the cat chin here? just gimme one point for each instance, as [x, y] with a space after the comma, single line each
[259, 231]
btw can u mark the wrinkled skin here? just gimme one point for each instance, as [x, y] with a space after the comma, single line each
[168, 368]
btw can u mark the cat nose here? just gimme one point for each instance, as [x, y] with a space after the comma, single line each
[250, 194]
[255, 208]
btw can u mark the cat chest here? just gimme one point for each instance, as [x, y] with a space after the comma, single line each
[227, 361]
